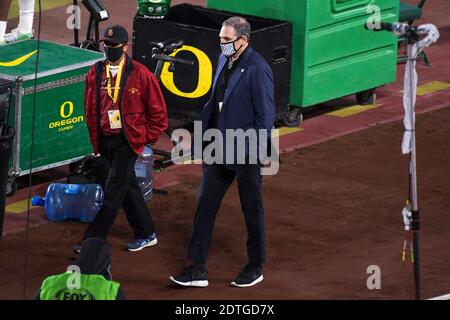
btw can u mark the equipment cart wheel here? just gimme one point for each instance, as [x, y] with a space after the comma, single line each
[366, 97]
[293, 119]
[11, 187]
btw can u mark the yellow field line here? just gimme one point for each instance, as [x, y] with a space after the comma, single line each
[432, 87]
[18, 207]
[285, 131]
[352, 110]
[46, 5]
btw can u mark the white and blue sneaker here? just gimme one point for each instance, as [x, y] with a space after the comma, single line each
[140, 244]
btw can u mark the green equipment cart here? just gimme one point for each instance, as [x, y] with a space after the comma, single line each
[61, 135]
[333, 54]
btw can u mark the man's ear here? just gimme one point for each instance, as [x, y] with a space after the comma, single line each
[125, 48]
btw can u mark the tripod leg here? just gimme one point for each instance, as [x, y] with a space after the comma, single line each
[75, 30]
[89, 29]
[97, 33]
[425, 59]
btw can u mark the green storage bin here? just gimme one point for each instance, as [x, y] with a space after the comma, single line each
[154, 8]
[61, 134]
[333, 54]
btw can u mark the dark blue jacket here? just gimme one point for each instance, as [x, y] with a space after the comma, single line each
[249, 99]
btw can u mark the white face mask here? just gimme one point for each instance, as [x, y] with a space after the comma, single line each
[228, 48]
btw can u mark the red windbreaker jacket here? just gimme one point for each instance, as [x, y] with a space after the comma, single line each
[142, 106]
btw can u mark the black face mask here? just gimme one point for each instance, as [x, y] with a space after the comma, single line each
[113, 54]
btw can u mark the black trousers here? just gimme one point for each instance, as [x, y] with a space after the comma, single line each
[121, 189]
[215, 182]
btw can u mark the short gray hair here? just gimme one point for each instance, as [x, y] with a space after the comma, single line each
[240, 25]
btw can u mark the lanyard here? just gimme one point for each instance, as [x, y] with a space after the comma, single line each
[117, 85]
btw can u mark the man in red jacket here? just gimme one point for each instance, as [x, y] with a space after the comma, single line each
[125, 110]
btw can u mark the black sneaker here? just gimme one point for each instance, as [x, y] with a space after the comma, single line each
[191, 277]
[249, 276]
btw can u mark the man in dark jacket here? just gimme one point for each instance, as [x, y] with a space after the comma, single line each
[125, 110]
[89, 278]
[242, 100]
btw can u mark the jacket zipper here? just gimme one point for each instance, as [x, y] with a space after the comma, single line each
[122, 121]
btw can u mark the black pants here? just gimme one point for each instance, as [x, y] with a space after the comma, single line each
[215, 182]
[121, 189]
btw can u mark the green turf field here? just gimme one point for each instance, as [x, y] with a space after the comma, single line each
[46, 4]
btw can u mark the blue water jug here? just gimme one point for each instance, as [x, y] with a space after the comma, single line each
[71, 201]
[143, 169]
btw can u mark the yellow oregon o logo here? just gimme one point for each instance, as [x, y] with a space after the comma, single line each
[204, 75]
[63, 109]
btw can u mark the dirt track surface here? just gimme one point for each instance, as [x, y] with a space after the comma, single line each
[333, 210]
